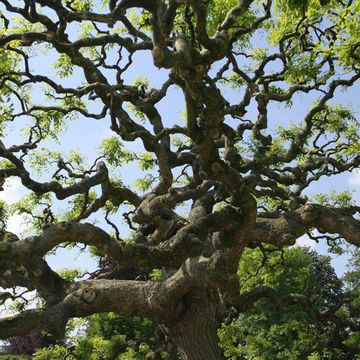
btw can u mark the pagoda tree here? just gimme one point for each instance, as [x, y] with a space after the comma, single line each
[238, 170]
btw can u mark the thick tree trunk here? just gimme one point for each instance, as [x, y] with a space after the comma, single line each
[199, 341]
[195, 335]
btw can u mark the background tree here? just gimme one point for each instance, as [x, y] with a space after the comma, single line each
[270, 331]
[242, 175]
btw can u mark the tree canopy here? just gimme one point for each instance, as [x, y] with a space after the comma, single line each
[263, 121]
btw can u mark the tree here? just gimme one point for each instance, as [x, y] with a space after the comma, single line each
[243, 183]
[265, 331]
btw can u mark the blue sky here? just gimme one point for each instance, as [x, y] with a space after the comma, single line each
[84, 135]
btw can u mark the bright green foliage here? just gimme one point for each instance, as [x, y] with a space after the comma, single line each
[141, 82]
[289, 132]
[82, 5]
[294, 270]
[264, 333]
[115, 154]
[63, 66]
[55, 352]
[145, 183]
[352, 282]
[9, 62]
[352, 277]
[43, 160]
[341, 126]
[301, 5]
[69, 274]
[336, 199]
[4, 214]
[108, 337]
[146, 161]
[131, 354]
[31, 206]
[52, 123]
[217, 11]
[77, 202]
[156, 275]
[113, 151]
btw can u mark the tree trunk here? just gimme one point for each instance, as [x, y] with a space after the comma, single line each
[195, 335]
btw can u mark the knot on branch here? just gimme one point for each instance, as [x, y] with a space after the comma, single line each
[154, 303]
[309, 207]
[183, 240]
[223, 239]
[200, 68]
[88, 294]
[101, 167]
[288, 240]
[63, 226]
[158, 55]
[5, 247]
[37, 272]
[216, 168]
[310, 212]
[8, 236]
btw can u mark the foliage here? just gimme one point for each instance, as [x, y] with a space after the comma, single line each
[211, 129]
[55, 352]
[265, 332]
[107, 336]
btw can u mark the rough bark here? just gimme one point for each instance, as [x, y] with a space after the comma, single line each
[195, 333]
